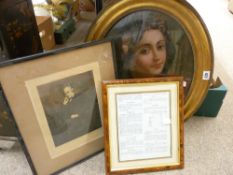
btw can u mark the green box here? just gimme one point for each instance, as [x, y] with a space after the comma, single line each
[213, 101]
[64, 32]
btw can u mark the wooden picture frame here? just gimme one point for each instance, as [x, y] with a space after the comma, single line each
[56, 103]
[140, 136]
[184, 41]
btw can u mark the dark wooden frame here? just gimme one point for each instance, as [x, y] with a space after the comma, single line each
[107, 118]
[97, 144]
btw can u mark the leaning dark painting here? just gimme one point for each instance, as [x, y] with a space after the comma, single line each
[20, 36]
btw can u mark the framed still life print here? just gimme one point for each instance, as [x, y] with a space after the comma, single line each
[56, 103]
[157, 37]
[143, 125]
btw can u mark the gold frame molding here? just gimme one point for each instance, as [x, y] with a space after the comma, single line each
[121, 162]
[197, 32]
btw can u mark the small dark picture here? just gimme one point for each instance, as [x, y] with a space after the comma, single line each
[71, 107]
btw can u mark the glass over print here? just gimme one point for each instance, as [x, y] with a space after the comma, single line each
[65, 105]
[149, 110]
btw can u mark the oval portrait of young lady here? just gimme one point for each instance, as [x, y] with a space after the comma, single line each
[159, 38]
[151, 43]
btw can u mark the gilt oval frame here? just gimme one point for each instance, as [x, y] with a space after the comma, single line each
[192, 23]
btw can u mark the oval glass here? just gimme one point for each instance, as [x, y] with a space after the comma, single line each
[157, 37]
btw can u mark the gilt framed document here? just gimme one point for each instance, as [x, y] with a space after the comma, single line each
[143, 125]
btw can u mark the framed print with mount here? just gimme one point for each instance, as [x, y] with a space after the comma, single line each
[55, 99]
[143, 124]
[157, 37]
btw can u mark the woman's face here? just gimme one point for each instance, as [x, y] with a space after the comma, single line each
[150, 54]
